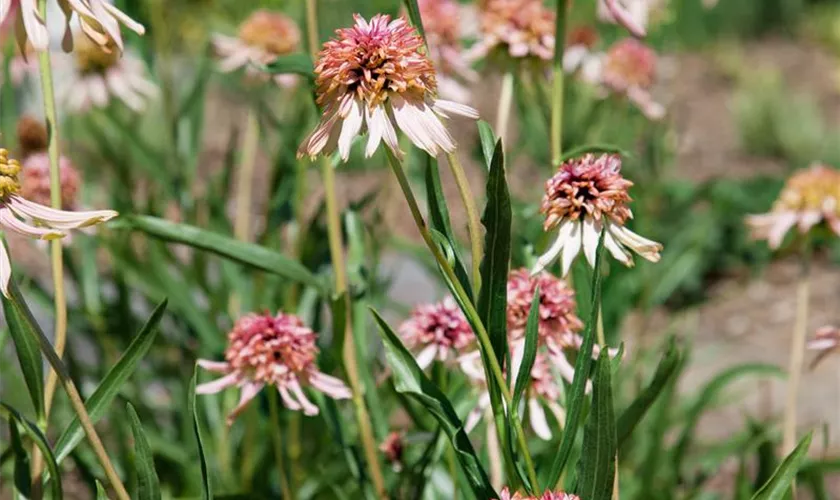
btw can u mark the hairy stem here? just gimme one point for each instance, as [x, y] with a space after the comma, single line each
[473, 222]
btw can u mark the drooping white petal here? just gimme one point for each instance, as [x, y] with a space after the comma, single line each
[572, 246]
[308, 408]
[618, 252]
[538, 421]
[591, 236]
[58, 219]
[123, 18]
[648, 249]
[331, 386]
[217, 385]
[350, 129]
[288, 401]
[123, 90]
[12, 223]
[426, 356]
[246, 395]
[443, 107]
[5, 270]
[553, 251]
[213, 366]
[36, 30]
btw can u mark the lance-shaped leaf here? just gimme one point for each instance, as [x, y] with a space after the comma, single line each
[148, 484]
[16, 423]
[414, 15]
[28, 354]
[596, 468]
[206, 485]
[778, 487]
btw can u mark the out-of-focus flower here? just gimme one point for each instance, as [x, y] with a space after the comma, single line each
[442, 23]
[522, 28]
[825, 341]
[100, 76]
[272, 350]
[31, 219]
[585, 196]
[393, 447]
[375, 78]
[263, 37]
[35, 180]
[579, 55]
[631, 14]
[21, 65]
[437, 331]
[629, 68]
[548, 495]
[557, 318]
[99, 20]
[809, 197]
[32, 136]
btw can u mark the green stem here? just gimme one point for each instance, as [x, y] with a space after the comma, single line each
[557, 83]
[505, 101]
[473, 222]
[277, 437]
[245, 182]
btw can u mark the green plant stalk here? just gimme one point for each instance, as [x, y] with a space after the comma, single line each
[481, 332]
[277, 437]
[244, 191]
[312, 27]
[505, 102]
[557, 83]
[351, 363]
[473, 221]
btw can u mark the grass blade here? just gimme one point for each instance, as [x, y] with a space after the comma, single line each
[37, 437]
[523, 377]
[206, 485]
[414, 15]
[148, 484]
[596, 468]
[778, 487]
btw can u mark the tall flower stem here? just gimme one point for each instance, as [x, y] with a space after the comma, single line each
[312, 27]
[473, 221]
[797, 351]
[351, 363]
[505, 103]
[244, 190]
[277, 437]
[557, 83]
[469, 309]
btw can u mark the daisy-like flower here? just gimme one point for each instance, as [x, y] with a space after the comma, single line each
[631, 14]
[31, 219]
[393, 447]
[101, 76]
[374, 77]
[437, 331]
[585, 196]
[272, 350]
[522, 28]
[557, 318]
[548, 495]
[100, 22]
[809, 197]
[825, 341]
[35, 180]
[629, 68]
[263, 37]
[442, 22]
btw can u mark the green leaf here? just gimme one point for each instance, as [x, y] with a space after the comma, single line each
[37, 437]
[523, 377]
[638, 408]
[148, 484]
[292, 64]
[97, 404]
[100, 491]
[778, 486]
[596, 468]
[488, 141]
[577, 393]
[21, 473]
[414, 15]
[206, 485]
[227, 247]
[409, 379]
[492, 298]
[439, 219]
[28, 353]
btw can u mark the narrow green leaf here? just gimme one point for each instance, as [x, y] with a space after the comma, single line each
[778, 486]
[21, 472]
[227, 247]
[409, 379]
[206, 485]
[638, 408]
[100, 491]
[523, 377]
[596, 468]
[414, 15]
[492, 297]
[28, 354]
[294, 64]
[37, 437]
[577, 393]
[148, 484]
[488, 141]
[97, 404]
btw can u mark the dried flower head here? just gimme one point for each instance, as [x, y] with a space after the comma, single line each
[375, 77]
[32, 136]
[585, 196]
[523, 28]
[809, 197]
[19, 215]
[101, 76]
[35, 180]
[437, 331]
[393, 447]
[272, 350]
[99, 20]
[263, 37]
[629, 68]
[557, 318]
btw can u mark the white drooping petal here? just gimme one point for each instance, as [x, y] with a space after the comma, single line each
[123, 18]
[591, 236]
[5, 269]
[36, 29]
[411, 126]
[572, 246]
[217, 385]
[214, 366]
[646, 248]
[443, 107]
[538, 421]
[324, 134]
[350, 129]
[426, 356]
[618, 252]
[249, 392]
[98, 90]
[12, 223]
[58, 219]
[331, 386]
[375, 119]
[308, 408]
[288, 401]
[553, 251]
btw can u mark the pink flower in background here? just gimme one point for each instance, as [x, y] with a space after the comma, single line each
[31, 219]
[375, 78]
[548, 495]
[100, 76]
[437, 331]
[272, 350]
[809, 197]
[521, 28]
[579, 55]
[35, 180]
[585, 196]
[825, 341]
[557, 318]
[263, 37]
[629, 68]
[393, 447]
[631, 14]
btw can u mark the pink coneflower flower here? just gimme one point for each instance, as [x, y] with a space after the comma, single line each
[826, 341]
[522, 28]
[809, 197]
[375, 78]
[629, 68]
[437, 331]
[263, 37]
[31, 219]
[557, 318]
[98, 18]
[393, 447]
[548, 495]
[101, 76]
[585, 196]
[35, 180]
[272, 350]
[631, 14]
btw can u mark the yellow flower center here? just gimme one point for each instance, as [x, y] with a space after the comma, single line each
[814, 189]
[91, 58]
[9, 170]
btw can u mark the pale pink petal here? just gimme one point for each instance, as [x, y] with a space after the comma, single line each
[308, 408]
[781, 226]
[127, 21]
[288, 401]
[217, 385]
[443, 107]
[122, 89]
[623, 17]
[376, 121]
[213, 366]
[247, 394]
[538, 421]
[331, 386]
